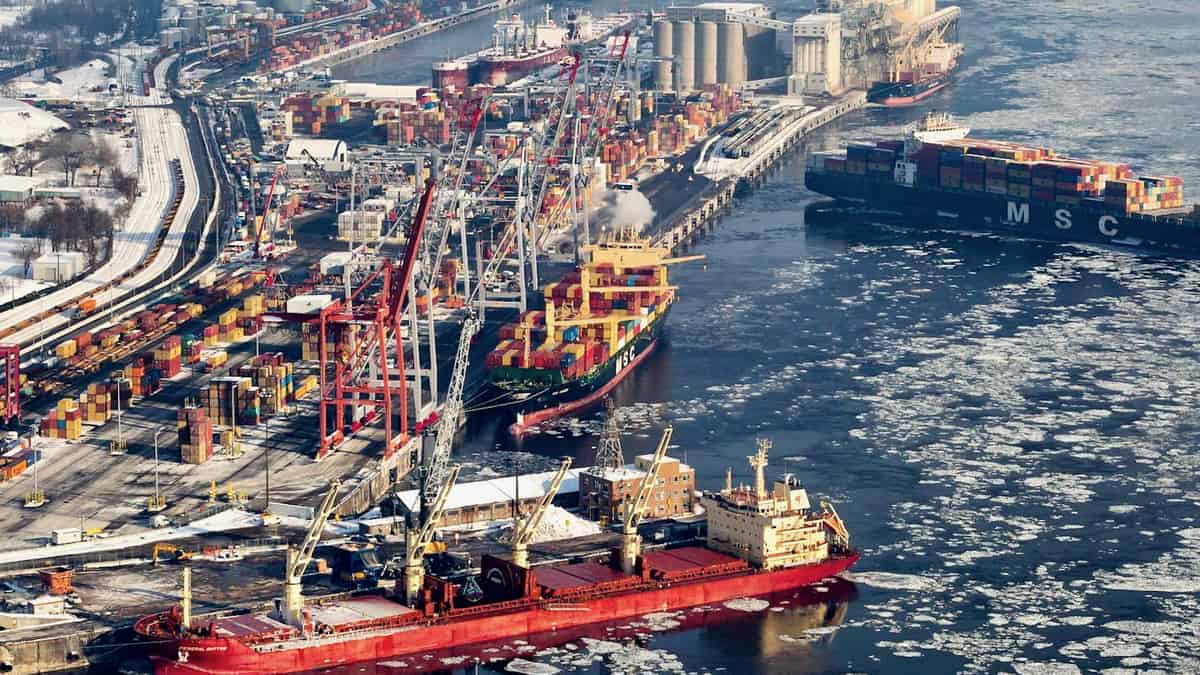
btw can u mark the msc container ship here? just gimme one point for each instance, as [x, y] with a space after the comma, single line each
[601, 321]
[935, 180]
[760, 542]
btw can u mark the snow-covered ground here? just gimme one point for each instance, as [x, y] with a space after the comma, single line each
[21, 122]
[10, 15]
[13, 282]
[87, 82]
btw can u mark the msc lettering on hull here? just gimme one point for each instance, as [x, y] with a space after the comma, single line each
[1063, 219]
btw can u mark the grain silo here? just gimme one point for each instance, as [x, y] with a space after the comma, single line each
[684, 41]
[706, 53]
[663, 45]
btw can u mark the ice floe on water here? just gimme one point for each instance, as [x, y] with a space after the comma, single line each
[893, 581]
[530, 667]
[747, 604]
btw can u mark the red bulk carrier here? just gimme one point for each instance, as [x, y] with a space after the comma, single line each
[759, 542]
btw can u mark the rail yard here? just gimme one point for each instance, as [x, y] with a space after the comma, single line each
[320, 282]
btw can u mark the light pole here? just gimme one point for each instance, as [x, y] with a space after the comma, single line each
[118, 447]
[35, 498]
[159, 503]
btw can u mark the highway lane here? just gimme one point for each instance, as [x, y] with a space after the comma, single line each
[162, 138]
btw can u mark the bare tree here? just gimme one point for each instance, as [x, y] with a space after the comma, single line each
[69, 151]
[96, 230]
[23, 160]
[27, 253]
[125, 183]
[102, 156]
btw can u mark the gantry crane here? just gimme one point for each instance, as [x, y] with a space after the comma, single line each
[631, 541]
[418, 540]
[298, 559]
[365, 365]
[523, 528]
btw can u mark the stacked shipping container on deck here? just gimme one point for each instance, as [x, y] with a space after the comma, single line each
[1019, 171]
[616, 316]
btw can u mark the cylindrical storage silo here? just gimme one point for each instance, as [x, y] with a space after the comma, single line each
[731, 66]
[662, 50]
[706, 53]
[684, 41]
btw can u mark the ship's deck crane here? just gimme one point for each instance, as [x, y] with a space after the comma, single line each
[419, 540]
[523, 528]
[631, 541]
[298, 559]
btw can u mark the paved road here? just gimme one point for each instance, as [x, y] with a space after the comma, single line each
[161, 138]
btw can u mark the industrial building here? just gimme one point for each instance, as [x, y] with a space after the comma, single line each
[846, 44]
[493, 499]
[59, 266]
[713, 43]
[604, 493]
[18, 189]
[302, 152]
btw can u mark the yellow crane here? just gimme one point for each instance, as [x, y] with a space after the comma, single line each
[631, 541]
[298, 559]
[523, 528]
[419, 541]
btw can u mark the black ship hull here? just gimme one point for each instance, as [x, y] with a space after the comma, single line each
[533, 407]
[935, 207]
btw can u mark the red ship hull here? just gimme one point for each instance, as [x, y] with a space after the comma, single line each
[229, 656]
[905, 101]
[531, 419]
[498, 71]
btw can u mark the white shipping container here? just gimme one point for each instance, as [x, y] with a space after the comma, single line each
[66, 535]
[308, 304]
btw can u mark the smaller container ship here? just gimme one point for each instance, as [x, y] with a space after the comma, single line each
[761, 541]
[519, 49]
[600, 322]
[909, 87]
[935, 178]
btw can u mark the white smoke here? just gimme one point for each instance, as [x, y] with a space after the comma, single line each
[622, 208]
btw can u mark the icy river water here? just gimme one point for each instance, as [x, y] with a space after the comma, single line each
[1007, 426]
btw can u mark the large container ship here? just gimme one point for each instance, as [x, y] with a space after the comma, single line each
[760, 542]
[519, 49]
[1009, 187]
[905, 88]
[600, 322]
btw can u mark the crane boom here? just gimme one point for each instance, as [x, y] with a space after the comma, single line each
[298, 559]
[258, 228]
[524, 527]
[631, 541]
[414, 569]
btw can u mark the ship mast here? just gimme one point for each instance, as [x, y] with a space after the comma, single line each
[759, 462]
